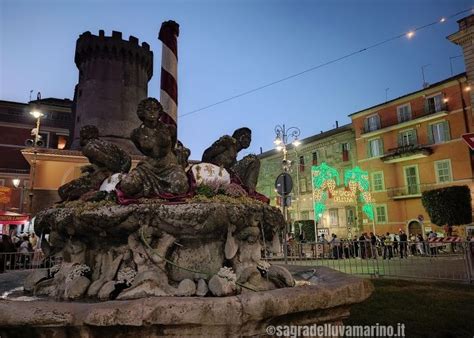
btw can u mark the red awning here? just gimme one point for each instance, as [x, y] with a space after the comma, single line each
[7, 217]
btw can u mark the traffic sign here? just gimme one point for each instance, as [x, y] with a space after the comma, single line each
[284, 184]
[469, 139]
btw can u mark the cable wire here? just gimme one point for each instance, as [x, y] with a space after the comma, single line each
[326, 63]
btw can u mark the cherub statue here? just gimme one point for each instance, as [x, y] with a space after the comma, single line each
[105, 159]
[159, 173]
[223, 152]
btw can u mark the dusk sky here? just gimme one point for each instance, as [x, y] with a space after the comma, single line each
[230, 47]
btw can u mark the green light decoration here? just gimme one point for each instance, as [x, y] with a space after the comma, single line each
[359, 176]
[322, 173]
[355, 179]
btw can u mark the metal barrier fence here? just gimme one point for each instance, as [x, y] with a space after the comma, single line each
[10, 261]
[419, 260]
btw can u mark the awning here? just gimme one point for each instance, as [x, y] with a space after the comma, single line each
[8, 217]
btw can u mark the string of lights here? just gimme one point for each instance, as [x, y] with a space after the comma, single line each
[410, 34]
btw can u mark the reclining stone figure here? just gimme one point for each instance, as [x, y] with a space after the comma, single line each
[105, 159]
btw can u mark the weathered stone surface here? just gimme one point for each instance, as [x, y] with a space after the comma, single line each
[326, 301]
[146, 237]
[33, 278]
[202, 288]
[186, 288]
[76, 288]
[106, 290]
[220, 286]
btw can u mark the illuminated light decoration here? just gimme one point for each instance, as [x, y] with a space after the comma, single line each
[325, 177]
[467, 88]
[410, 34]
[442, 20]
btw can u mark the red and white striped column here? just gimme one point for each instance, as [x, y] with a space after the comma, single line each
[168, 35]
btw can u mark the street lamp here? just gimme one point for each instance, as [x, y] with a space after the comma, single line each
[36, 142]
[283, 135]
[16, 183]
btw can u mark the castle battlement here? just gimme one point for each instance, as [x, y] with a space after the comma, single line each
[90, 46]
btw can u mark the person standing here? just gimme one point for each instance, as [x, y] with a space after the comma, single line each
[336, 247]
[403, 244]
[387, 247]
[373, 245]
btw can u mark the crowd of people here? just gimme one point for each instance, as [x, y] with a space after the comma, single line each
[17, 250]
[370, 245]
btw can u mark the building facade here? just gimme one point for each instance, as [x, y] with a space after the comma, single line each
[412, 144]
[16, 125]
[335, 147]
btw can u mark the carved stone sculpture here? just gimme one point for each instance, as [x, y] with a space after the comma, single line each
[160, 172]
[105, 159]
[223, 152]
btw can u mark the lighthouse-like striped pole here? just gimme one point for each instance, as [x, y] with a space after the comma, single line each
[168, 35]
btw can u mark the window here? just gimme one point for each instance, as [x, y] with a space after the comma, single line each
[372, 123]
[404, 113]
[439, 132]
[443, 171]
[333, 217]
[345, 152]
[377, 181]
[350, 216]
[434, 103]
[381, 213]
[411, 180]
[303, 185]
[315, 158]
[301, 168]
[62, 140]
[375, 148]
[407, 138]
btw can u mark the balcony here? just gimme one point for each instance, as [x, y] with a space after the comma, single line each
[407, 153]
[392, 122]
[414, 190]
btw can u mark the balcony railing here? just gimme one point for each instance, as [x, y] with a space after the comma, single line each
[393, 119]
[413, 190]
[407, 151]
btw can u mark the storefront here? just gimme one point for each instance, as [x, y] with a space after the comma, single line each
[13, 222]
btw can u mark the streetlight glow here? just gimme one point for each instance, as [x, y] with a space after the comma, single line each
[296, 142]
[467, 88]
[36, 114]
[410, 34]
[277, 141]
[442, 20]
[279, 148]
[16, 182]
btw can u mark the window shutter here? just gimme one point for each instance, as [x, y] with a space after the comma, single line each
[378, 121]
[400, 139]
[446, 132]
[414, 140]
[427, 106]
[369, 151]
[381, 152]
[366, 125]
[430, 134]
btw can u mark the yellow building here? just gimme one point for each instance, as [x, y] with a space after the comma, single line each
[411, 144]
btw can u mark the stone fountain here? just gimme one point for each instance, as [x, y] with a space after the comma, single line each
[169, 248]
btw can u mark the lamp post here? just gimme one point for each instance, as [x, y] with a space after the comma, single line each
[36, 142]
[16, 183]
[283, 134]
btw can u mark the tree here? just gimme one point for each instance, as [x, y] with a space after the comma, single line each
[448, 206]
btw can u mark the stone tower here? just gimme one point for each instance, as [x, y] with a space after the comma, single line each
[113, 79]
